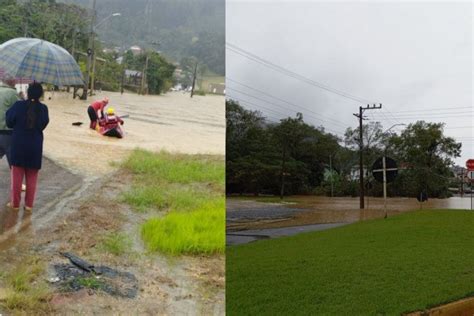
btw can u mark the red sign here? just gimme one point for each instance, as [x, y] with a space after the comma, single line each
[470, 164]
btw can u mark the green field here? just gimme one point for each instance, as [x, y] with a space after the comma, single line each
[189, 189]
[379, 267]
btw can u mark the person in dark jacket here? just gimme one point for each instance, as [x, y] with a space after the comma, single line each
[28, 119]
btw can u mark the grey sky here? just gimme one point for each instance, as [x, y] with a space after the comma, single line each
[409, 56]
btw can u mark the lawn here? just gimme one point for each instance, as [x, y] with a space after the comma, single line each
[190, 190]
[379, 267]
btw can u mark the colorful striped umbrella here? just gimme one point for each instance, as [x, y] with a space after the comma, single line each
[39, 60]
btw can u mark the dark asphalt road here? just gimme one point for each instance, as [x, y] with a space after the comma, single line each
[246, 236]
[53, 182]
[262, 211]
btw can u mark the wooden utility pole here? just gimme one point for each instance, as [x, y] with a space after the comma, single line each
[194, 79]
[144, 79]
[123, 78]
[93, 74]
[360, 116]
[90, 54]
[332, 181]
[282, 174]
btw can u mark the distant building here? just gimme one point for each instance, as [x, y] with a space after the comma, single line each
[133, 77]
[110, 50]
[216, 88]
[136, 50]
[460, 173]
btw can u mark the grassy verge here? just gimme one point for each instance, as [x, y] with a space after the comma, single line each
[381, 267]
[116, 243]
[190, 189]
[25, 291]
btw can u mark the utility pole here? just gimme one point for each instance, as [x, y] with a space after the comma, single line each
[360, 116]
[144, 79]
[90, 54]
[194, 79]
[332, 182]
[122, 81]
[93, 74]
[282, 174]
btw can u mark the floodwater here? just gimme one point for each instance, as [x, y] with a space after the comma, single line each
[250, 220]
[173, 122]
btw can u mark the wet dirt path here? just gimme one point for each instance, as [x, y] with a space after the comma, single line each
[55, 185]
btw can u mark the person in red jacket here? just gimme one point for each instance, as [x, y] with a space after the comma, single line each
[95, 109]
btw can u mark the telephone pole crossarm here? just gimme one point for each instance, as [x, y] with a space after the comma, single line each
[360, 116]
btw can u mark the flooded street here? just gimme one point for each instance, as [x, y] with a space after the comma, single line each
[249, 220]
[173, 122]
[79, 194]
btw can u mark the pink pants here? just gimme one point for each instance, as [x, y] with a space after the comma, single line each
[31, 178]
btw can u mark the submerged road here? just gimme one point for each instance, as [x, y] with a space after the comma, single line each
[54, 181]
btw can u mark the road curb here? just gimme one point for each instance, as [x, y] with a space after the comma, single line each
[464, 307]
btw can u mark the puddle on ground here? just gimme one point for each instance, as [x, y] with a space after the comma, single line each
[13, 223]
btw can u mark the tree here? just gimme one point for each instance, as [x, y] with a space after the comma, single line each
[428, 153]
[251, 157]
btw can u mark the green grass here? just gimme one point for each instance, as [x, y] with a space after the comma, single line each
[26, 292]
[201, 231]
[191, 189]
[380, 267]
[116, 243]
[181, 198]
[176, 168]
[90, 283]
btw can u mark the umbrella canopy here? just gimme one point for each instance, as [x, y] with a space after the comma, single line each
[40, 61]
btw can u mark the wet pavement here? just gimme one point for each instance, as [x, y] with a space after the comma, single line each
[246, 236]
[249, 210]
[54, 183]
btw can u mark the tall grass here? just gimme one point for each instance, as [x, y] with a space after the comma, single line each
[176, 168]
[179, 198]
[201, 231]
[191, 189]
[26, 293]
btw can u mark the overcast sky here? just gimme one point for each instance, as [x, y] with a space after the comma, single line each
[408, 56]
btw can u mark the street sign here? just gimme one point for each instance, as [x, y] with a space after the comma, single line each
[422, 197]
[470, 164]
[391, 169]
[384, 170]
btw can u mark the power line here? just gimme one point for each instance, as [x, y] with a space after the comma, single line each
[287, 102]
[266, 101]
[292, 74]
[436, 109]
[337, 133]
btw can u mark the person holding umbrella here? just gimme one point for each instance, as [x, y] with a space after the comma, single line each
[28, 119]
[8, 97]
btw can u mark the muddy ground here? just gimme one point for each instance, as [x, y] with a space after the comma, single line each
[79, 203]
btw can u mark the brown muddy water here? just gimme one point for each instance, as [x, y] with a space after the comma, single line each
[250, 220]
